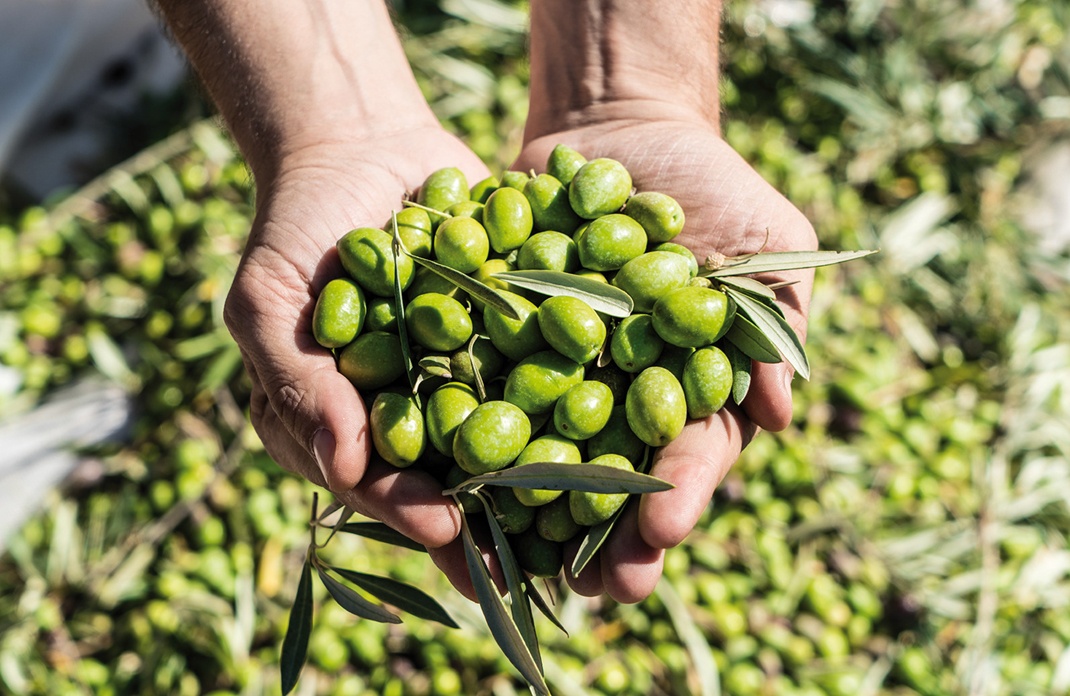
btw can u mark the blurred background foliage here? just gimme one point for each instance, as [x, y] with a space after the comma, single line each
[906, 535]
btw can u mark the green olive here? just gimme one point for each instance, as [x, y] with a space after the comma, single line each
[470, 209]
[571, 327]
[414, 229]
[539, 380]
[372, 361]
[609, 242]
[635, 345]
[339, 313]
[483, 357]
[563, 163]
[491, 437]
[554, 521]
[692, 262]
[659, 214]
[583, 410]
[508, 219]
[549, 251]
[367, 255]
[691, 316]
[548, 448]
[600, 187]
[649, 276]
[482, 189]
[617, 438]
[448, 407]
[656, 407]
[438, 322]
[707, 381]
[549, 204]
[514, 179]
[515, 338]
[397, 429]
[382, 315]
[589, 509]
[442, 188]
[512, 515]
[462, 244]
[536, 555]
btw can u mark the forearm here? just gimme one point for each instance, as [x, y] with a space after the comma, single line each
[288, 76]
[625, 56]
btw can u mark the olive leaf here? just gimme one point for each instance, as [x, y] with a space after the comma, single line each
[353, 602]
[602, 297]
[380, 532]
[744, 335]
[539, 601]
[592, 541]
[403, 596]
[298, 630]
[774, 327]
[505, 632]
[554, 476]
[514, 582]
[481, 389]
[741, 367]
[397, 248]
[773, 261]
[477, 289]
[436, 366]
[749, 286]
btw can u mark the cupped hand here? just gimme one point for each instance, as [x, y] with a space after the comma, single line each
[311, 419]
[729, 209]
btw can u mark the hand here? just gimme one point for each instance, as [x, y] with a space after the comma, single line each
[304, 409]
[729, 208]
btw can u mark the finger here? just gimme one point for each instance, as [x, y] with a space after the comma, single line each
[695, 463]
[630, 566]
[452, 560]
[410, 502]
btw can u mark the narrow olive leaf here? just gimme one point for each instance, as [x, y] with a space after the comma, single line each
[330, 510]
[473, 287]
[436, 366]
[749, 286]
[353, 602]
[744, 335]
[404, 597]
[514, 582]
[397, 248]
[481, 389]
[772, 261]
[590, 478]
[378, 531]
[299, 628]
[741, 367]
[501, 625]
[776, 328]
[540, 602]
[340, 522]
[698, 647]
[602, 297]
[592, 541]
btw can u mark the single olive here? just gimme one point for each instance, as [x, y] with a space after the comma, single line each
[367, 255]
[414, 229]
[673, 358]
[554, 521]
[482, 189]
[589, 509]
[491, 437]
[446, 409]
[508, 219]
[470, 209]
[462, 244]
[613, 377]
[382, 315]
[659, 214]
[536, 555]
[426, 281]
[609, 242]
[563, 163]
[692, 262]
[548, 448]
[617, 437]
[571, 327]
[549, 204]
[649, 276]
[601, 186]
[635, 344]
[691, 316]
[483, 357]
[539, 380]
[583, 410]
[397, 429]
[656, 407]
[549, 251]
[707, 381]
[512, 515]
[485, 274]
[373, 360]
[514, 179]
[515, 338]
[441, 189]
[438, 322]
[339, 313]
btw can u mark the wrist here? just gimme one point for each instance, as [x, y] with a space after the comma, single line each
[594, 61]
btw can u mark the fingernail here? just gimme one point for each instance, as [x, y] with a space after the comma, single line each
[323, 448]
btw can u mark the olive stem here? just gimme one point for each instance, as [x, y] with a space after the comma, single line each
[414, 204]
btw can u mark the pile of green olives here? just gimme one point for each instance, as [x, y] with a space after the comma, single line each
[560, 382]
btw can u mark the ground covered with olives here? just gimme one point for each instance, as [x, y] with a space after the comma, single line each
[463, 380]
